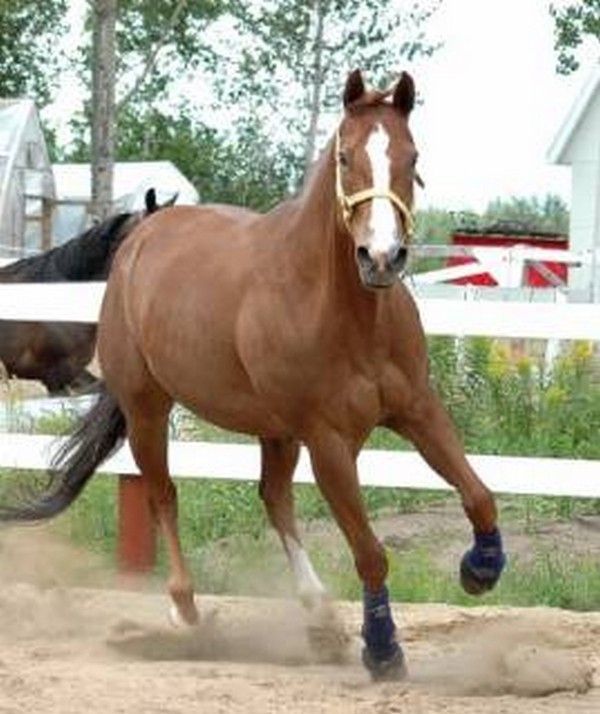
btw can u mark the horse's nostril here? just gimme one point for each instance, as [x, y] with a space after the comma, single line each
[397, 257]
[363, 256]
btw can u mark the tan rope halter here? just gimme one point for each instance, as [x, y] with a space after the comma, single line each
[348, 203]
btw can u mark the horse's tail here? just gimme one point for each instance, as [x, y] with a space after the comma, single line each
[97, 435]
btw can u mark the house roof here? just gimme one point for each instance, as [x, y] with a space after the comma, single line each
[131, 180]
[583, 102]
[23, 147]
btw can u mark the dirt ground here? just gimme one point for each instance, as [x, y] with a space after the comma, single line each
[67, 649]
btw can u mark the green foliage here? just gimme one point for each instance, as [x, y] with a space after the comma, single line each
[539, 214]
[518, 213]
[548, 214]
[290, 56]
[573, 23]
[509, 403]
[242, 169]
[435, 226]
[29, 58]
[156, 40]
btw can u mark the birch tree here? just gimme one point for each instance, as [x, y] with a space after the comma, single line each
[300, 49]
[137, 47]
[103, 106]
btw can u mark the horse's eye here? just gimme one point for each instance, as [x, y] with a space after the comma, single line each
[343, 159]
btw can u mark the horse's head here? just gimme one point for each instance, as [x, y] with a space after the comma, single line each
[375, 174]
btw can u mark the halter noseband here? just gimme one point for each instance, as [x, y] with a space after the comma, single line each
[348, 203]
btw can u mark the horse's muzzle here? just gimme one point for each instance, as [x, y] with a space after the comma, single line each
[383, 269]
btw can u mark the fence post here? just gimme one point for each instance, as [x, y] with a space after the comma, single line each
[136, 527]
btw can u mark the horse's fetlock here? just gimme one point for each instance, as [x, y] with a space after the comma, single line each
[372, 565]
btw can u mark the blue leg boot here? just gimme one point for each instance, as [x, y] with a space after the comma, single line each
[382, 655]
[481, 566]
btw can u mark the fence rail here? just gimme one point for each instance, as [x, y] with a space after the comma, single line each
[80, 302]
[388, 469]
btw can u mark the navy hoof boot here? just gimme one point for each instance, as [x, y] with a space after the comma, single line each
[382, 655]
[481, 567]
[390, 669]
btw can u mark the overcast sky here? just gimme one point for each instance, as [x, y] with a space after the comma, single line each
[492, 102]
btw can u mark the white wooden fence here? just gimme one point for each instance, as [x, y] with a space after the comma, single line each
[80, 302]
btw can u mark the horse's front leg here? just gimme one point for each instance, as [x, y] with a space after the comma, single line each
[334, 465]
[427, 424]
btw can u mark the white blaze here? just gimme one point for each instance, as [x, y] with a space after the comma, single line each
[383, 219]
[306, 578]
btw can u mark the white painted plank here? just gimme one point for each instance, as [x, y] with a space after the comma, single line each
[51, 302]
[391, 469]
[454, 272]
[440, 316]
[566, 321]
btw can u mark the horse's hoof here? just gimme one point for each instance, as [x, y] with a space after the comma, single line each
[474, 582]
[391, 669]
[481, 567]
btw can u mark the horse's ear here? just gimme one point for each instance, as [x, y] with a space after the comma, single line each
[171, 201]
[354, 89]
[150, 198]
[404, 94]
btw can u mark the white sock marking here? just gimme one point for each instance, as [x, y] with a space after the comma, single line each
[307, 580]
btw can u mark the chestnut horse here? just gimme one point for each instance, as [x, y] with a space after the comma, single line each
[294, 327]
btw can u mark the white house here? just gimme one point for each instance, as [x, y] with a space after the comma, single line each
[27, 187]
[131, 180]
[577, 144]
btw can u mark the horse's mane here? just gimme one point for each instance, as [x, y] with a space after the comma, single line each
[85, 257]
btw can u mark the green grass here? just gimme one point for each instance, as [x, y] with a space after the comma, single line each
[231, 547]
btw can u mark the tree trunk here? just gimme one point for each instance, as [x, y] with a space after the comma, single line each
[103, 107]
[316, 89]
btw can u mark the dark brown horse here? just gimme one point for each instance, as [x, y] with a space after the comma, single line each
[294, 327]
[57, 353]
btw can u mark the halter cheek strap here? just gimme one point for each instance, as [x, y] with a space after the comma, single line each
[348, 203]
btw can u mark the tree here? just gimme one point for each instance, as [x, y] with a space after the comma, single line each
[125, 36]
[283, 59]
[548, 214]
[103, 106]
[157, 41]
[29, 58]
[223, 169]
[574, 22]
[291, 55]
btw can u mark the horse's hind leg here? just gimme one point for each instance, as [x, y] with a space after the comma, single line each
[147, 431]
[325, 633]
[431, 430]
[279, 459]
